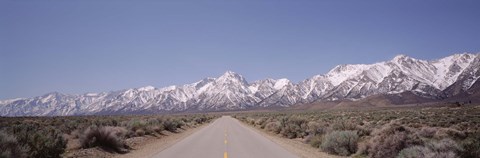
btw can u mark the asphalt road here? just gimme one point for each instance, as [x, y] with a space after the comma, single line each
[227, 138]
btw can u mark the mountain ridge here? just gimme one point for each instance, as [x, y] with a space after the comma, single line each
[434, 79]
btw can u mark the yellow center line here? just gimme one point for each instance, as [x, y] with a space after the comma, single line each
[225, 154]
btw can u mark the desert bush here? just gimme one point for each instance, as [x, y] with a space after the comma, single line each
[75, 133]
[106, 137]
[9, 147]
[449, 133]
[41, 141]
[180, 123]
[342, 143]
[294, 127]
[135, 125]
[200, 120]
[342, 125]
[139, 132]
[427, 132]
[471, 146]
[390, 140]
[445, 148]
[261, 122]
[413, 152]
[170, 125]
[155, 129]
[289, 130]
[273, 127]
[314, 140]
[250, 120]
[315, 128]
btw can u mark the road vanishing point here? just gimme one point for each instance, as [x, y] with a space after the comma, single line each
[228, 138]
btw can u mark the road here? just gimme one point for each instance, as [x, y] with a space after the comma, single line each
[227, 138]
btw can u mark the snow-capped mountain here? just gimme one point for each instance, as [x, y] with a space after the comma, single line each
[436, 79]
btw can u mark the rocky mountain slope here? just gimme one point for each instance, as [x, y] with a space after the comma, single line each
[439, 79]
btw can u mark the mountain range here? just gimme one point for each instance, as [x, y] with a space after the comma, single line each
[449, 78]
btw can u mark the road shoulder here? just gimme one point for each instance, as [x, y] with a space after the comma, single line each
[153, 146]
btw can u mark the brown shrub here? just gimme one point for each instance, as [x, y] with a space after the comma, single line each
[156, 129]
[390, 140]
[107, 137]
[291, 131]
[314, 140]
[9, 147]
[294, 127]
[273, 127]
[315, 128]
[342, 125]
[261, 122]
[427, 132]
[449, 133]
[139, 132]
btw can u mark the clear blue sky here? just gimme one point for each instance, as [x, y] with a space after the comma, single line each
[83, 46]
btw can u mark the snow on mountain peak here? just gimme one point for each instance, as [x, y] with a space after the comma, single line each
[231, 76]
[400, 57]
[281, 83]
[343, 72]
[146, 88]
[169, 88]
[449, 68]
[230, 73]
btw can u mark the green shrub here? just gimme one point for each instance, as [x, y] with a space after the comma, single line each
[41, 141]
[342, 143]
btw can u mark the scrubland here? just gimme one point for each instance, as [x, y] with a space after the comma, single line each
[52, 136]
[430, 132]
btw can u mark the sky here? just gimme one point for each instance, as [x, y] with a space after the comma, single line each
[75, 47]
